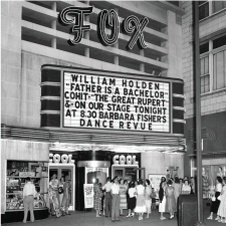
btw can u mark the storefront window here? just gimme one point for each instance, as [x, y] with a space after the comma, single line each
[17, 171]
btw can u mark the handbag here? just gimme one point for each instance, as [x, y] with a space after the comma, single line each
[213, 198]
[60, 190]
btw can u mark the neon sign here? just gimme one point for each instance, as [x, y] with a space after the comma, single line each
[64, 158]
[122, 160]
[108, 19]
[79, 27]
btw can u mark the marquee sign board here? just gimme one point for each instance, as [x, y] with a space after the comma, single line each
[91, 100]
[123, 104]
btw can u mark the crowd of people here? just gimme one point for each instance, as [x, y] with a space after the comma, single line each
[139, 198]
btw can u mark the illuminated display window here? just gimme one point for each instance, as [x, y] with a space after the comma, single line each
[103, 102]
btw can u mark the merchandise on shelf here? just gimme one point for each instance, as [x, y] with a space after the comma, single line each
[17, 171]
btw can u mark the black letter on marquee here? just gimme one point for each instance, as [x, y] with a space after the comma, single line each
[74, 15]
[108, 19]
[138, 27]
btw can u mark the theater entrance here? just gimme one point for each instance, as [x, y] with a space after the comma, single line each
[63, 170]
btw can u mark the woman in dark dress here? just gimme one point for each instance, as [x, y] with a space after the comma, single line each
[131, 199]
[215, 201]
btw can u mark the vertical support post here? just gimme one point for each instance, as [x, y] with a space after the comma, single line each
[198, 116]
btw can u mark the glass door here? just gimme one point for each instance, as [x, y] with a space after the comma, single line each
[68, 172]
[64, 170]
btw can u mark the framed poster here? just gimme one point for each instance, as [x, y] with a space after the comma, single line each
[88, 195]
[155, 180]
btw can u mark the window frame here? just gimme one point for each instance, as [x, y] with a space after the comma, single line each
[211, 13]
[211, 53]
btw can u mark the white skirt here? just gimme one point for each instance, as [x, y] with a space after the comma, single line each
[162, 206]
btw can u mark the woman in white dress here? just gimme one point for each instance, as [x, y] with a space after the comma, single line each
[162, 198]
[140, 204]
[148, 191]
[222, 208]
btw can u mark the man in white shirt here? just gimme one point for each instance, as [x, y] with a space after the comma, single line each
[28, 197]
[108, 197]
[115, 200]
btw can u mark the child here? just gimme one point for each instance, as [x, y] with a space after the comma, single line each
[153, 196]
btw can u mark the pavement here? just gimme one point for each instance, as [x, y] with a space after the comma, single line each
[88, 218]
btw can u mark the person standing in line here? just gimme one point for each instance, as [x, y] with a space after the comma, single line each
[97, 197]
[115, 200]
[220, 172]
[205, 184]
[222, 208]
[108, 197]
[193, 185]
[122, 195]
[67, 196]
[29, 193]
[186, 188]
[181, 182]
[61, 190]
[215, 201]
[147, 194]
[162, 198]
[53, 192]
[131, 201]
[153, 199]
[140, 204]
[170, 199]
[178, 188]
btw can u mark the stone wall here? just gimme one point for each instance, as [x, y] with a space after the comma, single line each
[10, 61]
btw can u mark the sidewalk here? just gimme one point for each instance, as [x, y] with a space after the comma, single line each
[89, 219]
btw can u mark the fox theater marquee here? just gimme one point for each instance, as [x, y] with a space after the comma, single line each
[100, 101]
[122, 104]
